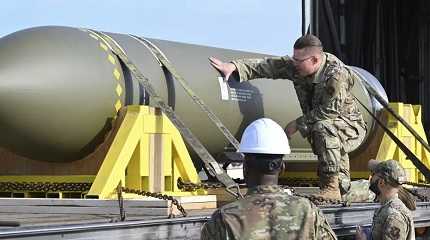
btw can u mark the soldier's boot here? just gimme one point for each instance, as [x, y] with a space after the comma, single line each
[329, 188]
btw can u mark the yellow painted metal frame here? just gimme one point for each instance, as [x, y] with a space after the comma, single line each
[389, 150]
[147, 153]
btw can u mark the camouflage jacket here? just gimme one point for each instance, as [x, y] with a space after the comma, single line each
[268, 212]
[326, 95]
[393, 220]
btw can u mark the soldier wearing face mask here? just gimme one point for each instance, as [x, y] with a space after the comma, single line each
[393, 220]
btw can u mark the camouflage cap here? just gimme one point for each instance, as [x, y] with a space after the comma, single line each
[388, 168]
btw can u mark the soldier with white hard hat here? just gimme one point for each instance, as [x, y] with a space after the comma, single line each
[267, 211]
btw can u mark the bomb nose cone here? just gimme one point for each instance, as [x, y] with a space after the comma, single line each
[57, 92]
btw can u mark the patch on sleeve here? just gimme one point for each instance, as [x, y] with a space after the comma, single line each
[333, 71]
[334, 75]
[393, 232]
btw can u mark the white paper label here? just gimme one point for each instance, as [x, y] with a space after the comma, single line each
[224, 88]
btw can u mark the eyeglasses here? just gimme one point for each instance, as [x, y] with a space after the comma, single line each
[300, 60]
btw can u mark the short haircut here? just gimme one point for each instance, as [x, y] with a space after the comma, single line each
[264, 163]
[307, 41]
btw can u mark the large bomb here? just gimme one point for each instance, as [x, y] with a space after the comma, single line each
[60, 88]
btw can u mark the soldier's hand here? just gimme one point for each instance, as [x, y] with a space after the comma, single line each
[225, 68]
[291, 129]
[360, 234]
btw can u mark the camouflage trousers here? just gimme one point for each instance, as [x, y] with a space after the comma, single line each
[331, 141]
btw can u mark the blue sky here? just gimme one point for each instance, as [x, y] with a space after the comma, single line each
[265, 26]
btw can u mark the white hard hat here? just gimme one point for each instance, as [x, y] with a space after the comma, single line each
[264, 136]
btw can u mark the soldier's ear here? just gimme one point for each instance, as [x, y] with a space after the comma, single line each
[382, 182]
[314, 60]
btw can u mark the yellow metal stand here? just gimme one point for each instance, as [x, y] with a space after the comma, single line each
[147, 153]
[389, 150]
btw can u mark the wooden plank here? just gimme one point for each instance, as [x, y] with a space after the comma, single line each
[158, 176]
[164, 231]
[188, 202]
[194, 199]
[199, 205]
[151, 168]
[82, 202]
[198, 202]
[144, 207]
[83, 210]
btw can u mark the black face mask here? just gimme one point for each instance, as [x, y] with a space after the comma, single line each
[374, 187]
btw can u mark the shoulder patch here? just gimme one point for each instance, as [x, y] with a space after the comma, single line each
[334, 71]
[336, 78]
[393, 232]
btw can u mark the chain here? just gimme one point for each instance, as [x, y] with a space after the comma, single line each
[317, 200]
[44, 187]
[417, 184]
[415, 192]
[157, 195]
[189, 186]
[122, 213]
[286, 183]
[77, 187]
[299, 182]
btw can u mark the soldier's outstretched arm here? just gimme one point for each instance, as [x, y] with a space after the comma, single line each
[247, 69]
[226, 69]
[272, 68]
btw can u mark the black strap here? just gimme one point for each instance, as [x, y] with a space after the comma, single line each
[196, 99]
[210, 163]
[387, 107]
[410, 155]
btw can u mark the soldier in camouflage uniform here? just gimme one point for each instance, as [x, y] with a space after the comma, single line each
[267, 211]
[392, 220]
[331, 120]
